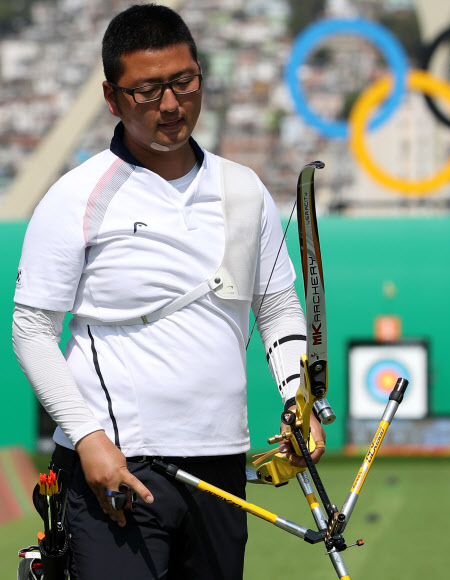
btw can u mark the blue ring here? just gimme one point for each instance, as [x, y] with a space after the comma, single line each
[380, 366]
[378, 35]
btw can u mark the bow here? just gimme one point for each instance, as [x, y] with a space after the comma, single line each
[312, 390]
[310, 397]
[314, 364]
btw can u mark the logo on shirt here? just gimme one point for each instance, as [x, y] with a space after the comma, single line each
[19, 277]
[138, 225]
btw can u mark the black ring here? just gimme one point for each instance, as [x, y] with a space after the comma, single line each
[428, 52]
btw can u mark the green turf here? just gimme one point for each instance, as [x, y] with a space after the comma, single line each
[13, 536]
[402, 515]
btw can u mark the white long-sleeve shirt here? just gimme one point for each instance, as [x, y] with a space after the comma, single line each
[112, 240]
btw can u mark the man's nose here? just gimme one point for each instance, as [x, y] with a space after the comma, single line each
[169, 101]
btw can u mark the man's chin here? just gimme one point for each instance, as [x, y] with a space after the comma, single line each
[167, 145]
[157, 147]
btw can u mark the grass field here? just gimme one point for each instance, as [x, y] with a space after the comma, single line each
[402, 515]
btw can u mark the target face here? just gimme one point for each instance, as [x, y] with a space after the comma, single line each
[382, 376]
[373, 371]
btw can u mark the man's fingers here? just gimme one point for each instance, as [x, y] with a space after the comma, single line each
[285, 447]
[299, 461]
[105, 504]
[133, 483]
[116, 515]
[296, 460]
[317, 454]
[122, 499]
[126, 479]
[100, 493]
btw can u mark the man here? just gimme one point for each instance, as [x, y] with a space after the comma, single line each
[144, 244]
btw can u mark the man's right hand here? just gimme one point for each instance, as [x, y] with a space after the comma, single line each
[105, 467]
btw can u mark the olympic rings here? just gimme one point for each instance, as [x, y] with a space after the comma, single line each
[417, 80]
[386, 42]
[427, 56]
[376, 94]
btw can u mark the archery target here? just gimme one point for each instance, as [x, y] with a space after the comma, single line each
[373, 372]
[382, 376]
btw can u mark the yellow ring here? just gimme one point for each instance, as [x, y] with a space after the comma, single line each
[359, 118]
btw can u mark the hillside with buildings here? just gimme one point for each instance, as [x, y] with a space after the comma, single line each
[248, 111]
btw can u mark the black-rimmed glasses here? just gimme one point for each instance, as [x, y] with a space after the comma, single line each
[155, 91]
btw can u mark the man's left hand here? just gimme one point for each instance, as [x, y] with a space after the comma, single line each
[318, 434]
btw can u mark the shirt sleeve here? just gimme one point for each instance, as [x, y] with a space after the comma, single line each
[274, 263]
[281, 324]
[36, 334]
[53, 252]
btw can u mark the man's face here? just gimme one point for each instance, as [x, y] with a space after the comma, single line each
[168, 122]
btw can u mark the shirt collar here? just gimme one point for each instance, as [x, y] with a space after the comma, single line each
[118, 148]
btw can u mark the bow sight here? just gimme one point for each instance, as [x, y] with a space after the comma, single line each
[310, 398]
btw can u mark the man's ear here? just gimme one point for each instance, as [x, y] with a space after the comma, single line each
[110, 98]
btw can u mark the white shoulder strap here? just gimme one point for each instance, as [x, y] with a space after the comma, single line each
[242, 203]
[172, 307]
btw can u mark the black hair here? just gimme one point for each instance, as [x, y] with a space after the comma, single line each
[142, 27]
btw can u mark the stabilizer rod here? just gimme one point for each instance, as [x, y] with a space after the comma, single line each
[310, 536]
[395, 398]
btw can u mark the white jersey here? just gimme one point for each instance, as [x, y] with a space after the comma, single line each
[112, 240]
